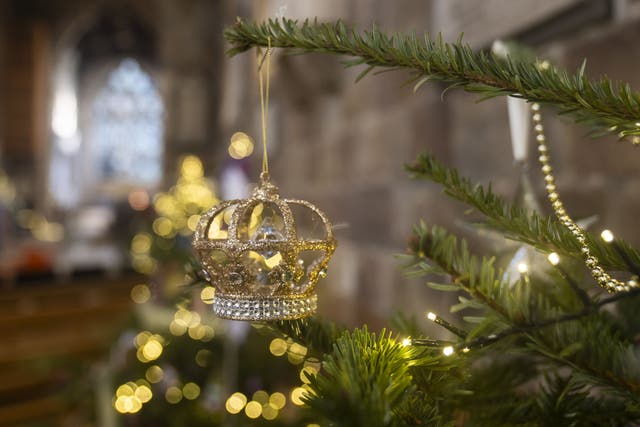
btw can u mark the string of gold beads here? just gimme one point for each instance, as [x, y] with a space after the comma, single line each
[593, 264]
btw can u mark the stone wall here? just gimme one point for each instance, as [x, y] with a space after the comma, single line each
[343, 145]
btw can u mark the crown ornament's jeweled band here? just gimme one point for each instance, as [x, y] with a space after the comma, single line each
[261, 308]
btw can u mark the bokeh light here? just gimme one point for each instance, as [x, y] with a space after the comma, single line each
[191, 391]
[154, 374]
[207, 294]
[306, 372]
[269, 412]
[139, 199]
[607, 236]
[554, 258]
[261, 397]
[129, 397]
[150, 346]
[296, 353]
[235, 403]
[253, 409]
[278, 400]
[241, 145]
[143, 393]
[296, 395]
[141, 243]
[152, 349]
[140, 294]
[278, 347]
[173, 395]
[202, 357]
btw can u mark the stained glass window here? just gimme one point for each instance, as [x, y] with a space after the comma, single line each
[126, 127]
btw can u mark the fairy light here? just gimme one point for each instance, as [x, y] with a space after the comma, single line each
[173, 395]
[191, 391]
[207, 294]
[277, 400]
[523, 268]
[448, 326]
[296, 396]
[152, 349]
[130, 397]
[176, 328]
[235, 403]
[296, 353]
[466, 350]
[154, 374]
[261, 397]
[202, 357]
[253, 409]
[143, 393]
[140, 294]
[554, 258]
[310, 371]
[269, 412]
[406, 342]
[241, 146]
[448, 350]
[278, 347]
[607, 236]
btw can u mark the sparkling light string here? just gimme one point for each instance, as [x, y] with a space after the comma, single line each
[603, 279]
[448, 326]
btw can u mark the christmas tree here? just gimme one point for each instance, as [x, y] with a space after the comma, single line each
[177, 364]
[544, 346]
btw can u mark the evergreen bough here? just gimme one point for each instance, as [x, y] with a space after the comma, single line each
[552, 350]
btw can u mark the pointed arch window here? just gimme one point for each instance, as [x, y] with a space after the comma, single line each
[127, 128]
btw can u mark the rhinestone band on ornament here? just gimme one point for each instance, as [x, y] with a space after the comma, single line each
[602, 278]
[237, 308]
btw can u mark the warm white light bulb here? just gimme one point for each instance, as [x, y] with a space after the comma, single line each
[554, 258]
[523, 267]
[447, 351]
[431, 316]
[406, 342]
[607, 236]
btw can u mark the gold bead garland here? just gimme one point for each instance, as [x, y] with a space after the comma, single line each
[593, 264]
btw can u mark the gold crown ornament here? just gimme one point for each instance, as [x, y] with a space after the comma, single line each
[264, 255]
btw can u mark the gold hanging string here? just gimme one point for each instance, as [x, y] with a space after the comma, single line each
[264, 106]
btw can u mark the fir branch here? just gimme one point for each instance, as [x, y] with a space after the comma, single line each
[585, 340]
[569, 402]
[477, 277]
[546, 234]
[534, 326]
[593, 349]
[363, 380]
[315, 334]
[606, 106]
